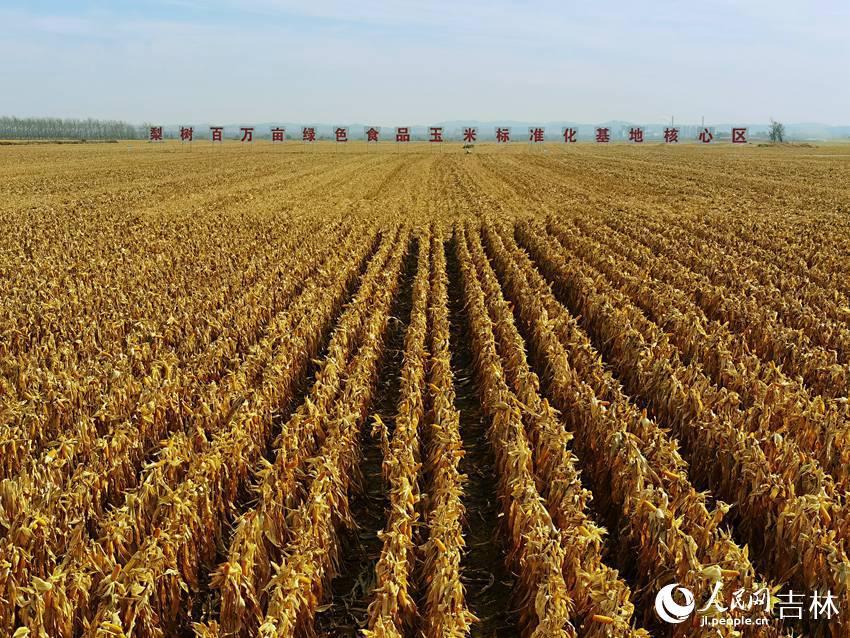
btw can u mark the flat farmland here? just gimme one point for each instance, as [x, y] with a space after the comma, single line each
[334, 390]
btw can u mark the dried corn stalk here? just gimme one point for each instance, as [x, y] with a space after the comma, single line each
[444, 613]
[544, 603]
[392, 611]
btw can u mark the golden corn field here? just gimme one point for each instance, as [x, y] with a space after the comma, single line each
[293, 391]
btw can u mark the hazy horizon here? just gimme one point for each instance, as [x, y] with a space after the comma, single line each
[175, 61]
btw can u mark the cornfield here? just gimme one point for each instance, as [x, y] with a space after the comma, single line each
[319, 393]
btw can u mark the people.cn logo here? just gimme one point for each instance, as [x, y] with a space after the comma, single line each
[668, 609]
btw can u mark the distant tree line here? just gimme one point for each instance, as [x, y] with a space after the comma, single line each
[54, 128]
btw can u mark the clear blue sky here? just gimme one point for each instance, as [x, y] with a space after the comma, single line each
[176, 61]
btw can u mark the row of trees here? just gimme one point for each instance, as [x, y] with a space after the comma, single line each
[54, 128]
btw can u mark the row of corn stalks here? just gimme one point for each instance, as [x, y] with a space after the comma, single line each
[299, 583]
[766, 334]
[392, 611]
[786, 504]
[237, 415]
[602, 601]
[633, 466]
[69, 404]
[445, 614]
[773, 401]
[537, 553]
[819, 311]
[65, 498]
[261, 532]
[426, 409]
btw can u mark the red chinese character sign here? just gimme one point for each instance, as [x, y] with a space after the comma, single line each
[215, 133]
[739, 136]
[603, 135]
[247, 134]
[341, 134]
[402, 134]
[503, 135]
[156, 134]
[706, 135]
[570, 135]
[308, 134]
[278, 134]
[636, 135]
[470, 135]
[372, 133]
[186, 133]
[536, 135]
[435, 134]
[671, 136]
